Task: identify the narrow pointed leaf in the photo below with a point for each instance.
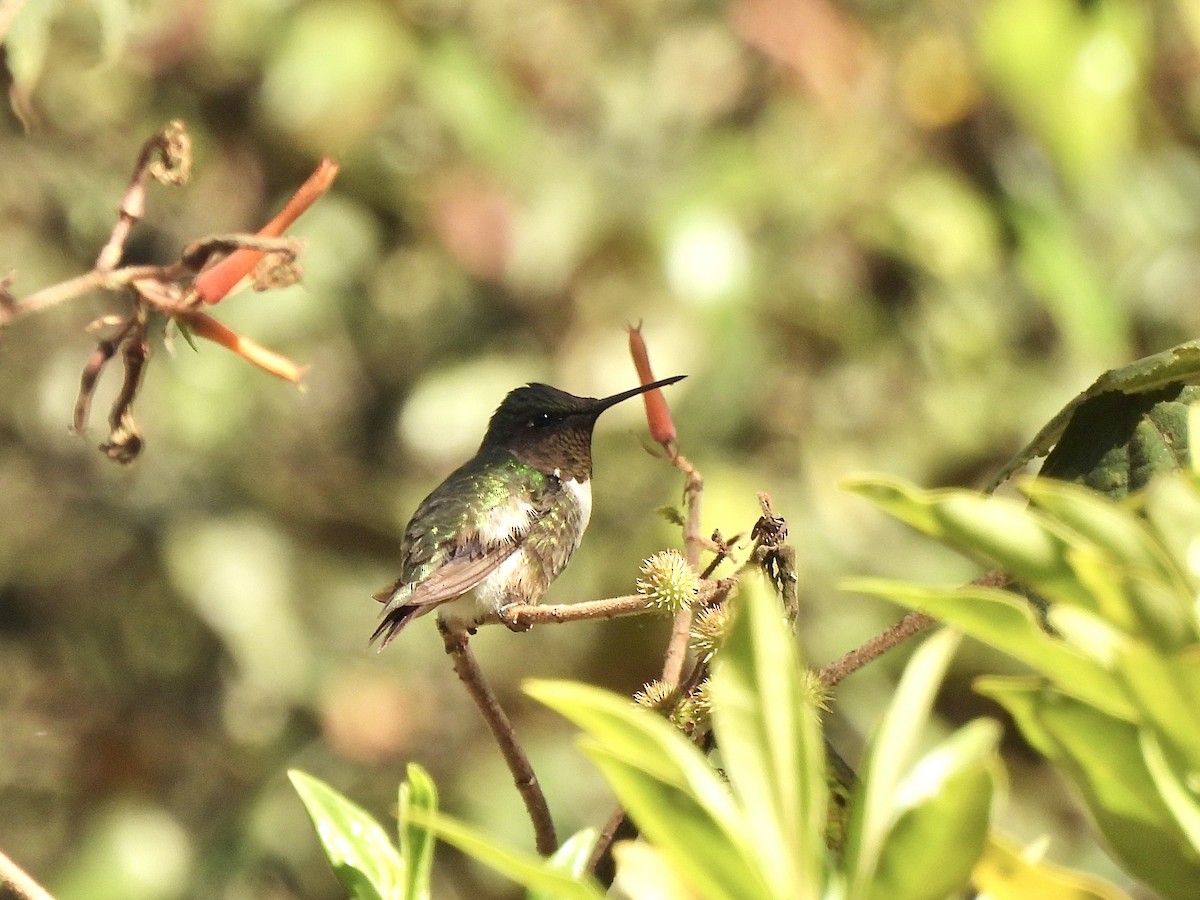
(1103, 757)
(362, 856)
(1115, 528)
(571, 858)
(533, 872)
(1004, 621)
(641, 738)
(416, 840)
(996, 531)
(890, 752)
(715, 860)
(938, 839)
(670, 790)
(1178, 797)
(771, 744)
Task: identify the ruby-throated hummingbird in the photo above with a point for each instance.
(503, 525)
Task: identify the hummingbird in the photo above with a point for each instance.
(503, 525)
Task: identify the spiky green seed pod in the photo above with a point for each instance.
(708, 629)
(688, 717)
(668, 582)
(655, 695)
(815, 690)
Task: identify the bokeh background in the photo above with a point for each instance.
(878, 236)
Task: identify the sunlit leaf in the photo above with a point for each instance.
(892, 748)
(571, 858)
(362, 856)
(940, 834)
(1004, 621)
(771, 744)
(417, 842)
(1122, 535)
(1164, 687)
(644, 874)
(996, 531)
(670, 790)
(1103, 758)
(538, 875)
(1173, 787)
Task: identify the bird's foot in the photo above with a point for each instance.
(510, 615)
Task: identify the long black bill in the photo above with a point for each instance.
(601, 405)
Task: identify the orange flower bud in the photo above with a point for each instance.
(658, 416)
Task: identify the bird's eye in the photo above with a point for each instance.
(542, 419)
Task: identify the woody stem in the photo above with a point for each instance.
(457, 643)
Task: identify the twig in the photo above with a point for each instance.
(523, 617)
(80, 285)
(912, 624)
(693, 544)
(457, 643)
(619, 827)
(18, 883)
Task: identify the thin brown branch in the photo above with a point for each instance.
(166, 156)
(602, 864)
(457, 643)
(912, 624)
(80, 285)
(693, 544)
(125, 438)
(18, 883)
(523, 617)
(105, 350)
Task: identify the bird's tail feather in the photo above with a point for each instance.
(393, 621)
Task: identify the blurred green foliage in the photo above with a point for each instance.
(891, 236)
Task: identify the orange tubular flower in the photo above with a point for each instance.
(658, 416)
(205, 326)
(214, 283)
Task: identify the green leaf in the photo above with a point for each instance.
(571, 858)
(716, 860)
(672, 514)
(771, 744)
(1172, 508)
(873, 808)
(678, 801)
(1114, 528)
(1103, 757)
(416, 840)
(994, 530)
(1180, 364)
(644, 874)
(358, 848)
(538, 875)
(1005, 622)
(1172, 787)
(1116, 442)
(1164, 687)
(937, 840)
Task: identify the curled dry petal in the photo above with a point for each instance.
(658, 416)
(215, 282)
(207, 327)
